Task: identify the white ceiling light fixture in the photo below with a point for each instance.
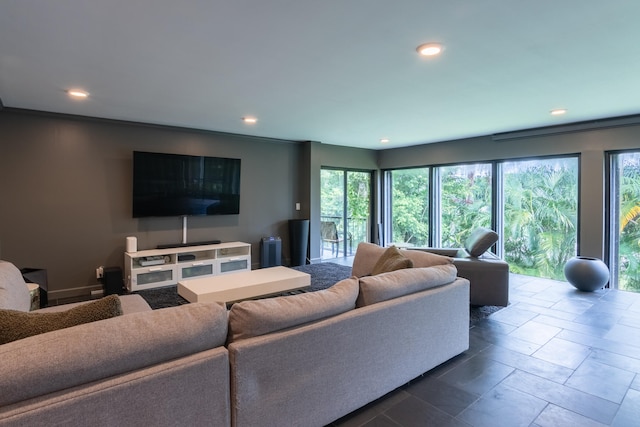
(384, 140)
(430, 49)
(78, 94)
(250, 120)
(558, 111)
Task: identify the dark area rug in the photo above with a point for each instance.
(323, 275)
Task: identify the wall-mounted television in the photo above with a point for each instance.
(181, 185)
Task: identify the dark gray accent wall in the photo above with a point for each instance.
(65, 185)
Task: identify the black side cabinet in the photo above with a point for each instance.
(39, 276)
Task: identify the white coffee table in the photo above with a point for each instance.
(252, 284)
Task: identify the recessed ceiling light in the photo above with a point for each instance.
(558, 111)
(429, 49)
(385, 141)
(249, 120)
(77, 93)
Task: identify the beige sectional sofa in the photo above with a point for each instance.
(299, 360)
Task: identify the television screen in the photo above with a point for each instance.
(179, 185)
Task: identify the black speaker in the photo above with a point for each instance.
(112, 281)
(270, 251)
(298, 241)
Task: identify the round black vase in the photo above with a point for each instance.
(298, 239)
(586, 274)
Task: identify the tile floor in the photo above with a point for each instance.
(553, 357)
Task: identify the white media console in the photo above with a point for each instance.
(162, 267)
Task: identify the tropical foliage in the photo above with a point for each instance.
(540, 210)
(410, 206)
(540, 216)
(629, 208)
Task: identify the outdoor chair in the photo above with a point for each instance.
(329, 233)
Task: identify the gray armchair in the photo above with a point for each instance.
(488, 274)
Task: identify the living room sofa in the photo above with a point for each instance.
(161, 367)
(298, 360)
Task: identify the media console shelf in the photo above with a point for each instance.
(162, 267)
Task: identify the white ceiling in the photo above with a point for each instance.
(340, 72)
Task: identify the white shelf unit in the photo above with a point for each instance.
(183, 263)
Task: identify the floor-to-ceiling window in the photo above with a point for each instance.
(464, 202)
(345, 206)
(540, 215)
(408, 207)
(624, 220)
(532, 204)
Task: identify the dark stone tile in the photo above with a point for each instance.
(496, 333)
(601, 380)
(442, 395)
(625, 334)
(547, 311)
(601, 343)
(513, 316)
(529, 364)
(381, 421)
(612, 359)
(633, 321)
(503, 406)
(555, 416)
(636, 383)
(629, 413)
(572, 306)
(585, 404)
(537, 333)
(415, 412)
(594, 328)
(372, 410)
(563, 353)
(598, 319)
(477, 375)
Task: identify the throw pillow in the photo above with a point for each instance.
(391, 260)
(259, 317)
(16, 325)
(479, 241)
(395, 284)
(368, 253)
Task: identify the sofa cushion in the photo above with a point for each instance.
(397, 283)
(16, 325)
(14, 293)
(368, 254)
(391, 260)
(259, 317)
(480, 240)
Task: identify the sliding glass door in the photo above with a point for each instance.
(345, 206)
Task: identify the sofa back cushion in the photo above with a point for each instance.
(480, 240)
(97, 350)
(259, 317)
(397, 283)
(14, 293)
(367, 256)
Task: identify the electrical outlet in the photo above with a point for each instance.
(99, 272)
